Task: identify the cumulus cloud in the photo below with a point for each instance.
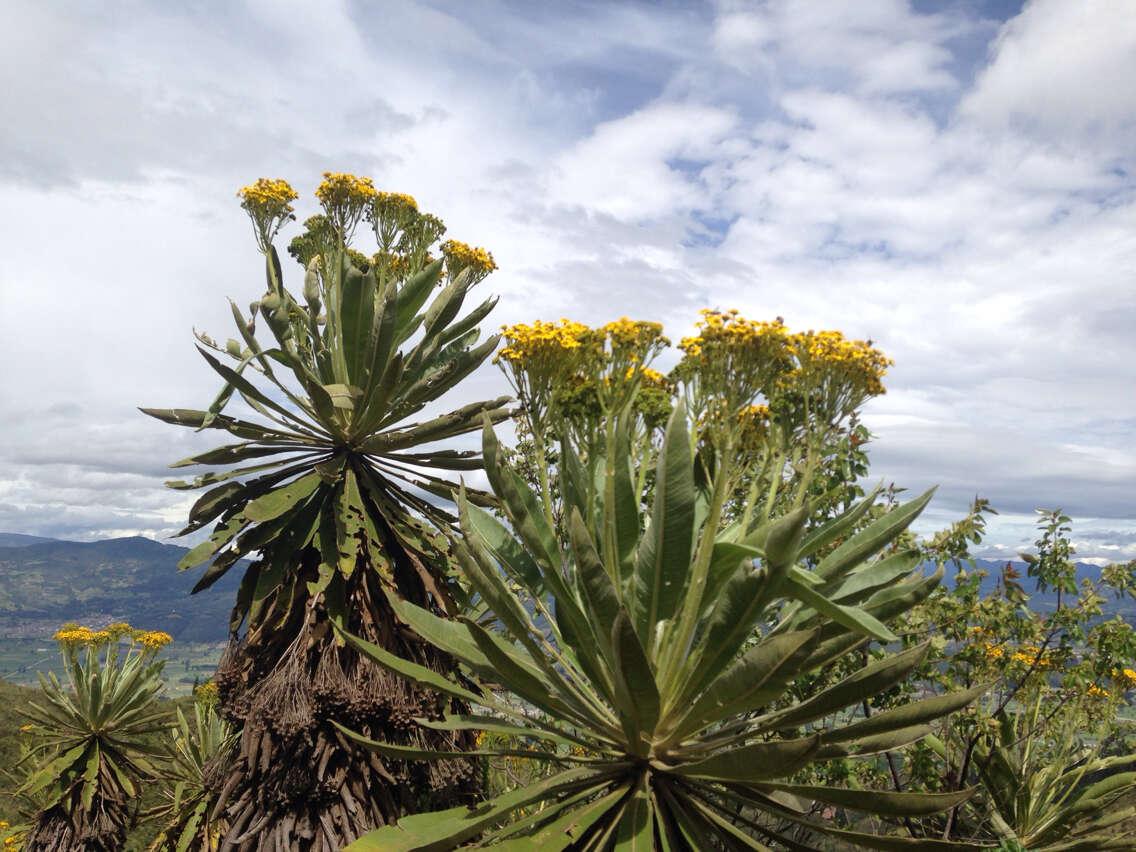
(932, 180)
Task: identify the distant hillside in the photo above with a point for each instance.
(20, 540)
(1047, 602)
(46, 583)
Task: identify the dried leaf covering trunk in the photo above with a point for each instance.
(298, 783)
(102, 829)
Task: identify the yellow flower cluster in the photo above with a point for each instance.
(153, 639)
(828, 355)
(541, 359)
(634, 335)
(651, 379)
(394, 201)
(73, 636)
(207, 693)
(345, 198)
(1096, 693)
(12, 841)
(341, 188)
(541, 341)
(734, 361)
(1029, 654)
(992, 651)
(460, 256)
(269, 204)
(269, 194)
(727, 330)
(1126, 678)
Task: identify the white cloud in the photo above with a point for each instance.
(804, 159)
(1063, 68)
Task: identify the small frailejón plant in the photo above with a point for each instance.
(325, 490)
(93, 738)
(206, 747)
(652, 652)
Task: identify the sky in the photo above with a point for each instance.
(954, 180)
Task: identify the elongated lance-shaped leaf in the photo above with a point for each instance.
(663, 560)
(849, 617)
(835, 529)
(754, 762)
(747, 684)
(621, 504)
(443, 831)
(565, 830)
(357, 320)
(880, 802)
(872, 538)
(597, 591)
(859, 584)
(914, 713)
(873, 679)
(249, 391)
(637, 695)
(520, 503)
(487, 532)
(412, 296)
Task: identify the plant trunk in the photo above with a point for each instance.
(102, 829)
(298, 783)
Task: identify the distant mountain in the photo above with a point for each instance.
(20, 540)
(1047, 601)
(46, 583)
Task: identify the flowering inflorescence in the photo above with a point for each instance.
(13, 840)
(1125, 678)
(73, 636)
(345, 199)
(828, 359)
(269, 204)
(207, 693)
(460, 257)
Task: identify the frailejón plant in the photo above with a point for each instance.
(651, 655)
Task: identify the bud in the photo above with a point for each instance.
(311, 284)
(784, 539)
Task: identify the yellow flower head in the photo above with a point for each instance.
(1096, 693)
(541, 357)
(269, 204)
(734, 361)
(849, 370)
(152, 640)
(207, 693)
(460, 257)
(345, 198)
(73, 636)
(1125, 678)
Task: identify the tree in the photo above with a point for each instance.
(329, 491)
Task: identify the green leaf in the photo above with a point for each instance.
(879, 802)
(275, 503)
(443, 831)
(520, 503)
(635, 688)
(636, 831)
(754, 762)
(852, 618)
(663, 561)
(766, 667)
(872, 538)
(829, 532)
(906, 715)
(871, 680)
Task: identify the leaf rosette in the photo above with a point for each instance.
(651, 657)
